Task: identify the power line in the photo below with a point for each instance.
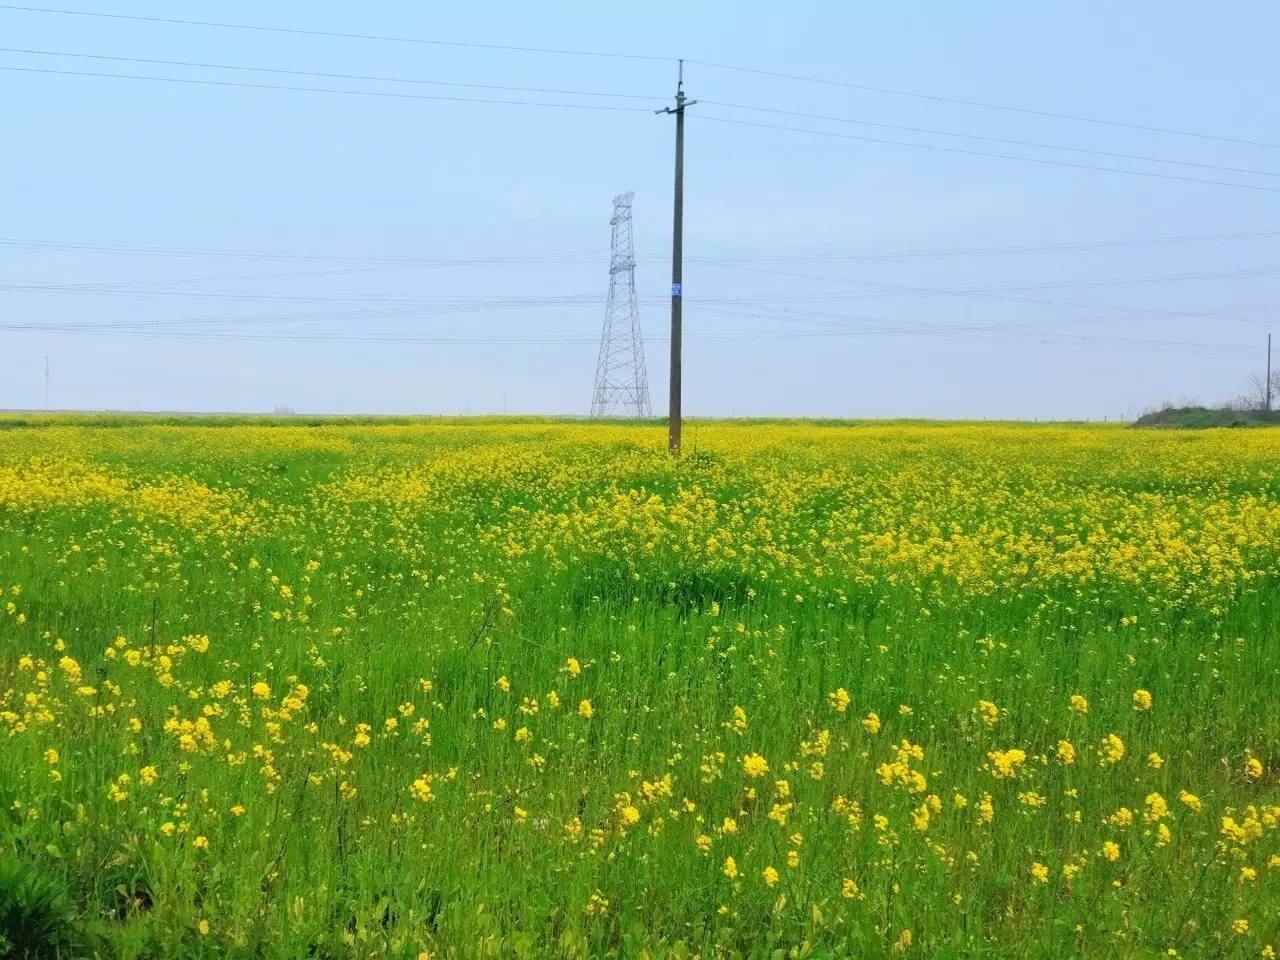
(86, 247)
(249, 295)
(272, 318)
(591, 93)
(998, 156)
(984, 104)
(575, 339)
(322, 74)
(1225, 313)
(775, 74)
(591, 106)
(297, 31)
(122, 285)
(287, 275)
(1054, 285)
(583, 257)
(721, 306)
(828, 322)
(1003, 294)
(532, 301)
(1080, 246)
(329, 90)
(987, 139)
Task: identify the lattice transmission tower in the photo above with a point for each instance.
(622, 387)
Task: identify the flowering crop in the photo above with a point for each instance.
(532, 688)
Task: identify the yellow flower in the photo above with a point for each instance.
(1111, 749)
(261, 691)
(730, 868)
(871, 723)
(1111, 851)
(1040, 872)
(203, 927)
(1253, 769)
(849, 889)
(596, 905)
(1141, 700)
(504, 684)
(420, 789)
(1154, 760)
(839, 700)
(986, 809)
(1157, 808)
(585, 710)
(754, 765)
(1241, 926)
(920, 818)
(1006, 763)
(769, 875)
(1190, 800)
(1121, 818)
(200, 843)
(1078, 704)
(573, 667)
(1066, 752)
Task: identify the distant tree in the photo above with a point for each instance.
(1255, 397)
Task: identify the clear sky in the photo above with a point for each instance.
(793, 303)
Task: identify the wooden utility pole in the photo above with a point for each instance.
(677, 256)
(1268, 383)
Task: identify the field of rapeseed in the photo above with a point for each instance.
(533, 689)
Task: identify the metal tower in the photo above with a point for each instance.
(621, 385)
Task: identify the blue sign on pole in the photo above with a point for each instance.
(675, 289)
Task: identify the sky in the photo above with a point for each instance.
(176, 246)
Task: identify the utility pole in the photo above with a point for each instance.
(46, 379)
(677, 255)
(1268, 387)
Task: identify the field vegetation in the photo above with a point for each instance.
(535, 689)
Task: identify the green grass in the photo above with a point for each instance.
(452, 584)
(1203, 417)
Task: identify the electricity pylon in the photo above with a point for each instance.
(622, 387)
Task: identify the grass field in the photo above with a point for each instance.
(533, 689)
(1204, 417)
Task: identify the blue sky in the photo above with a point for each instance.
(788, 328)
